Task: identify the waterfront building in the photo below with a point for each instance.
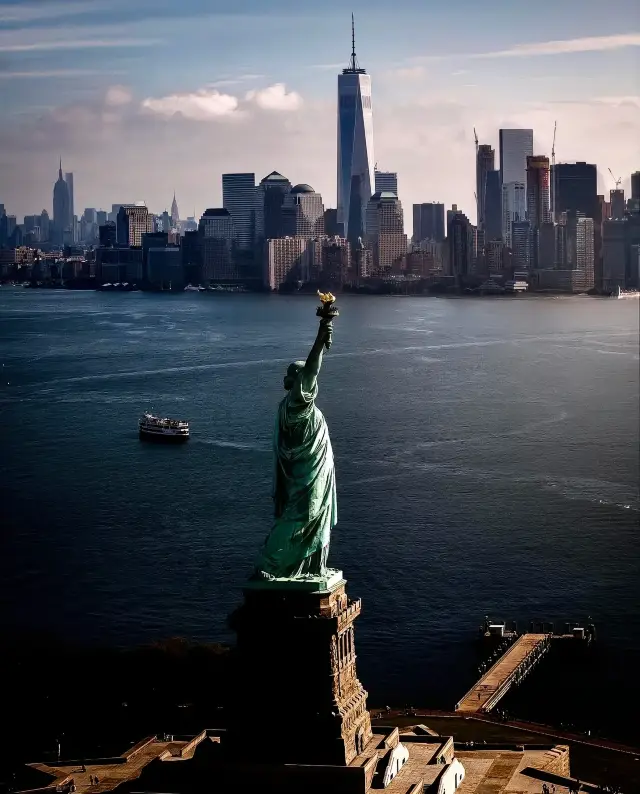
(616, 199)
(270, 194)
(164, 267)
(107, 234)
(585, 250)
(614, 254)
(460, 239)
(216, 237)
(428, 222)
(494, 254)
(620, 239)
(514, 205)
(386, 181)
(330, 262)
(303, 212)
(239, 198)
(546, 246)
(61, 208)
(191, 249)
(133, 220)
(485, 162)
(355, 147)
(286, 261)
(385, 233)
(521, 245)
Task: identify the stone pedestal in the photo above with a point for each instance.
(297, 674)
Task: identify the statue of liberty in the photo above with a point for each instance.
(304, 489)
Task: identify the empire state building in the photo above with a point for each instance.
(355, 146)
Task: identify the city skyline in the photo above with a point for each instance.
(111, 125)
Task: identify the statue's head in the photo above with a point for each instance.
(293, 370)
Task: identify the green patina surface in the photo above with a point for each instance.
(304, 491)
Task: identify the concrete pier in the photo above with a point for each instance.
(510, 668)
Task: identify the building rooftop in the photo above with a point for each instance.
(215, 212)
(384, 195)
(302, 188)
(274, 176)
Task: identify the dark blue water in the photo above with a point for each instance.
(487, 462)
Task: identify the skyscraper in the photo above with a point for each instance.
(514, 207)
(238, 196)
(460, 239)
(485, 162)
(61, 208)
(428, 222)
(515, 146)
(270, 193)
(68, 178)
(355, 146)
(576, 188)
(175, 215)
(538, 212)
(286, 260)
(387, 181)
(304, 212)
(616, 199)
(635, 185)
(385, 232)
(132, 222)
(537, 190)
(216, 236)
(492, 207)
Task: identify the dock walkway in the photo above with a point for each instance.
(510, 667)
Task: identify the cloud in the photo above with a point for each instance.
(275, 97)
(29, 12)
(200, 105)
(78, 44)
(53, 73)
(566, 46)
(117, 96)
(328, 66)
(538, 48)
(408, 73)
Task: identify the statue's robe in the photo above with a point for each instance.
(304, 487)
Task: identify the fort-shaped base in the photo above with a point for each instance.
(296, 669)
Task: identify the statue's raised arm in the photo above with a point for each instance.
(304, 490)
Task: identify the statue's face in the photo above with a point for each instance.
(293, 371)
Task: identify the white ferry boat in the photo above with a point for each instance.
(155, 428)
(622, 293)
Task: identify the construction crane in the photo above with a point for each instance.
(617, 181)
(553, 173)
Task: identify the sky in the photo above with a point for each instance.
(147, 97)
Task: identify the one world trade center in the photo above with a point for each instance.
(355, 146)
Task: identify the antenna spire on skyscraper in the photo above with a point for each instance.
(354, 61)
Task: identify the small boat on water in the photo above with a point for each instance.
(156, 428)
